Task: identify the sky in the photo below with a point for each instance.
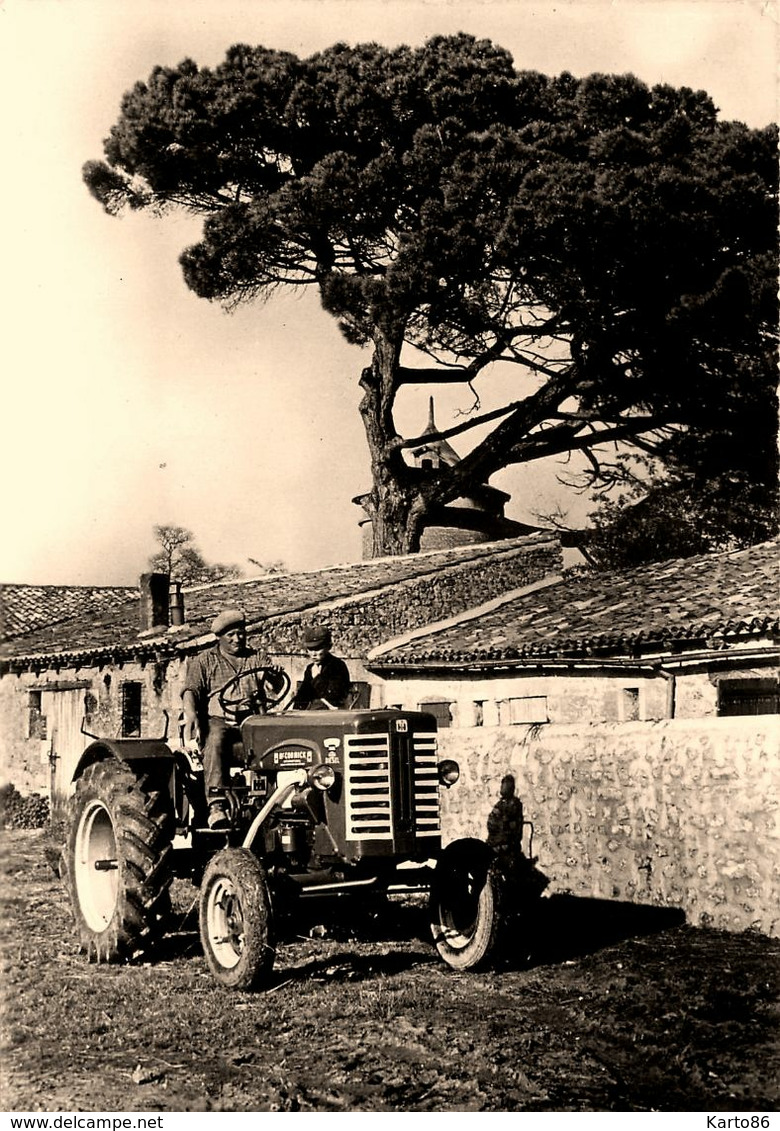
(129, 402)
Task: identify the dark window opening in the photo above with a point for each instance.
(630, 704)
(440, 709)
(359, 697)
(36, 727)
(131, 710)
(749, 697)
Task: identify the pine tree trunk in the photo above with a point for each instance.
(395, 504)
(396, 529)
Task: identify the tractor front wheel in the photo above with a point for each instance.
(465, 905)
(236, 921)
(116, 861)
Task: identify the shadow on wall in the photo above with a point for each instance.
(548, 931)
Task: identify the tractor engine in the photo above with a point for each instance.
(373, 787)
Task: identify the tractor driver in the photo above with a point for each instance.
(208, 725)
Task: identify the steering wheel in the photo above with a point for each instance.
(232, 702)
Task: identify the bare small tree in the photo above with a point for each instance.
(179, 557)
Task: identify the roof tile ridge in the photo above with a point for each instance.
(470, 553)
(475, 549)
(342, 599)
(377, 588)
(71, 588)
(706, 557)
(435, 627)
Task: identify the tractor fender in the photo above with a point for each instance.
(127, 750)
(470, 850)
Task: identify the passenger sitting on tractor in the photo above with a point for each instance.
(211, 720)
(326, 683)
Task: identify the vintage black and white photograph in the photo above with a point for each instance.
(389, 608)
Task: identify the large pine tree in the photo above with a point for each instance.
(614, 244)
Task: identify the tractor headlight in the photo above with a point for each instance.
(449, 772)
(322, 777)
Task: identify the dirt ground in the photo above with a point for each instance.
(598, 1007)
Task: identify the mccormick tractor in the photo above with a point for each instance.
(321, 803)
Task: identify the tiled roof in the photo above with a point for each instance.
(116, 630)
(24, 608)
(684, 603)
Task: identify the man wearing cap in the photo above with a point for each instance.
(210, 727)
(326, 681)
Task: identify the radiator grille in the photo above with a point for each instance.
(426, 786)
(367, 787)
(368, 790)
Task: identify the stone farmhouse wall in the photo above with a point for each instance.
(560, 697)
(39, 755)
(607, 692)
(92, 693)
(679, 813)
(406, 605)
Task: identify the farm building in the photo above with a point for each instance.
(637, 713)
(691, 638)
(116, 669)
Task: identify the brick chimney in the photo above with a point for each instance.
(154, 600)
(176, 604)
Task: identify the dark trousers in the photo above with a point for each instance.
(217, 754)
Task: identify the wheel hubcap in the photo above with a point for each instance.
(96, 866)
(225, 923)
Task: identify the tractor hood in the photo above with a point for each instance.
(308, 738)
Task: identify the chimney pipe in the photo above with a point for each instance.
(176, 604)
(154, 600)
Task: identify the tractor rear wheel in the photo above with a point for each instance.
(116, 861)
(465, 905)
(236, 920)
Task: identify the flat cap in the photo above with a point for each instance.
(228, 618)
(316, 637)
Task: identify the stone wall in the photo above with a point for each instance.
(681, 812)
(447, 537)
(563, 696)
(72, 699)
(414, 603)
(358, 623)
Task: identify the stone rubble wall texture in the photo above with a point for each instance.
(675, 813)
(412, 604)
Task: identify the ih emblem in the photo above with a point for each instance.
(331, 745)
(401, 725)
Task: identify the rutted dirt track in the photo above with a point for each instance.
(620, 1009)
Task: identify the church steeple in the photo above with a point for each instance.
(434, 452)
(477, 516)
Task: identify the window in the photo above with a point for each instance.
(440, 709)
(629, 705)
(749, 697)
(479, 712)
(131, 710)
(359, 698)
(525, 709)
(36, 725)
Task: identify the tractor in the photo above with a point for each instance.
(321, 803)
